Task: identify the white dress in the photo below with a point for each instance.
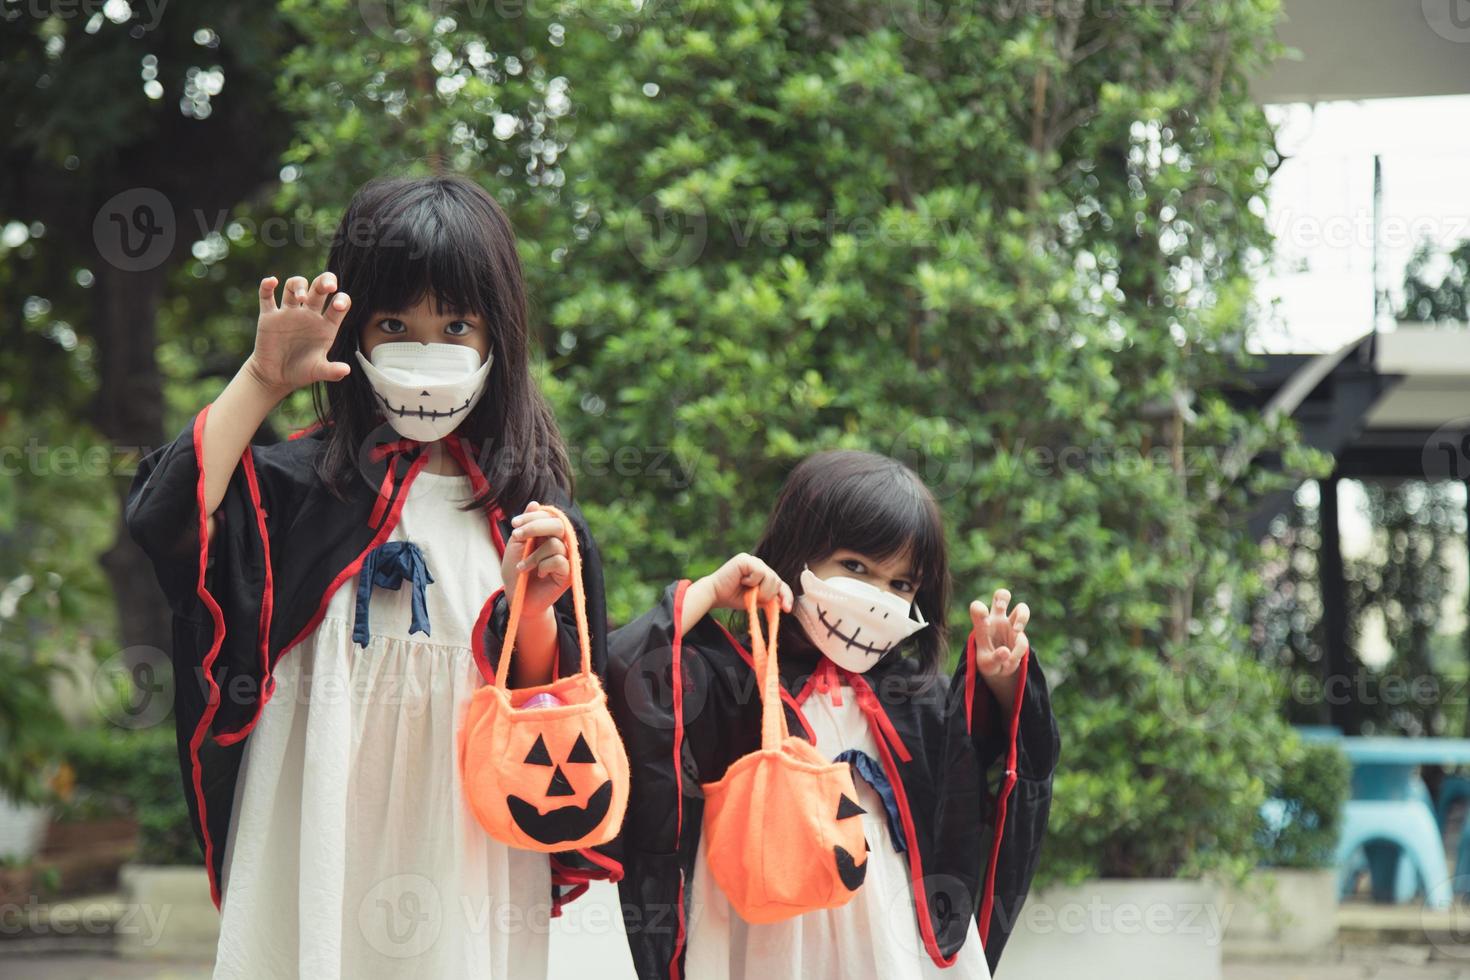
(352, 853)
(875, 936)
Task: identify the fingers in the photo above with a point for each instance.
(268, 294)
(295, 292)
(337, 308)
(999, 661)
(548, 559)
(328, 370)
(538, 527)
(320, 295)
(765, 582)
(998, 605)
(533, 524)
(980, 616)
(755, 573)
(322, 287)
(1020, 616)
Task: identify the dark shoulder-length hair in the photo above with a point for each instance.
(445, 237)
(871, 504)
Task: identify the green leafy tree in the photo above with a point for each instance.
(1011, 245)
(129, 130)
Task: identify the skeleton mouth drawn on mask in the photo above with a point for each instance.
(421, 412)
(853, 622)
(852, 641)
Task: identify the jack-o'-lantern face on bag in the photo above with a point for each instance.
(545, 778)
(563, 797)
(849, 872)
(783, 828)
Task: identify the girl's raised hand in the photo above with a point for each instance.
(1000, 640)
(292, 339)
(729, 582)
(551, 573)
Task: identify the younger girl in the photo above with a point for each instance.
(339, 597)
(859, 539)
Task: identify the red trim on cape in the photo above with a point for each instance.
(677, 674)
(828, 678)
(680, 937)
(612, 870)
(477, 637)
(218, 616)
(916, 862)
(969, 683)
(385, 492)
(678, 684)
(305, 430)
(988, 895)
(268, 594)
(268, 684)
(786, 697)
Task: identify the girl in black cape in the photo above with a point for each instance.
(953, 775)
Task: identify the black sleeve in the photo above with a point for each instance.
(686, 707)
(217, 588)
(1038, 741)
(1016, 821)
(220, 592)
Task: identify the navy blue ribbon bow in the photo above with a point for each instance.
(872, 773)
(388, 566)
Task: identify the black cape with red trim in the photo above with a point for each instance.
(282, 545)
(688, 708)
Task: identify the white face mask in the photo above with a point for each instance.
(425, 390)
(853, 622)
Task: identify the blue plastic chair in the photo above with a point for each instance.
(1387, 831)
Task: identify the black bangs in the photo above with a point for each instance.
(871, 504)
(885, 512)
(427, 239)
(403, 240)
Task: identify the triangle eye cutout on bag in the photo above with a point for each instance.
(545, 778)
(782, 833)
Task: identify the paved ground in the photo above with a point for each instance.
(1374, 963)
(1367, 963)
(1379, 944)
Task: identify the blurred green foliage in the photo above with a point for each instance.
(1316, 778)
(134, 772)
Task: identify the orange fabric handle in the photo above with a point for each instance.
(773, 715)
(579, 601)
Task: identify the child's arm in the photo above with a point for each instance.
(536, 640)
(291, 343)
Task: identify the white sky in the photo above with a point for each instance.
(1321, 209)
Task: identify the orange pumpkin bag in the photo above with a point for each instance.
(545, 778)
(781, 828)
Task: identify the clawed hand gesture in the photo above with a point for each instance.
(1000, 639)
